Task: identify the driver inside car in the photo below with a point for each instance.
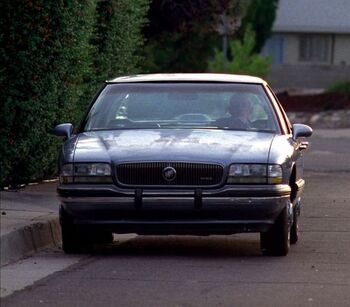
(240, 108)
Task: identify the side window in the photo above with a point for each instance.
(282, 116)
(262, 114)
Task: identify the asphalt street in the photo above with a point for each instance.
(215, 270)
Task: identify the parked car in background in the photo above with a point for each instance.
(184, 154)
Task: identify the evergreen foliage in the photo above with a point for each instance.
(53, 56)
(118, 37)
(244, 61)
(182, 35)
(179, 52)
(341, 87)
(45, 55)
(260, 16)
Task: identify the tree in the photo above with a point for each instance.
(244, 61)
(182, 35)
(260, 16)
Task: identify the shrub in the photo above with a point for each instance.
(54, 55)
(341, 87)
(244, 61)
(45, 56)
(118, 38)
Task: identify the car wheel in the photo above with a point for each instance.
(276, 241)
(102, 237)
(294, 230)
(73, 240)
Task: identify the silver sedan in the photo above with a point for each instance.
(195, 154)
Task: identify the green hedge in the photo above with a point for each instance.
(48, 71)
(118, 36)
(341, 87)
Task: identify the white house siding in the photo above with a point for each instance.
(339, 49)
(291, 50)
(291, 72)
(342, 50)
(322, 57)
(306, 76)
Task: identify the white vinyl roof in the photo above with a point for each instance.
(188, 78)
(315, 16)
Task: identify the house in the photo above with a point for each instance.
(310, 45)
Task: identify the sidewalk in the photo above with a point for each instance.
(28, 221)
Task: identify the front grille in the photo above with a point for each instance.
(151, 174)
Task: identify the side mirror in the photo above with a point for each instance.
(300, 130)
(63, 130)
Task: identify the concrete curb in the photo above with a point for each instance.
(25, 241)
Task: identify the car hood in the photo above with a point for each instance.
(201, 145)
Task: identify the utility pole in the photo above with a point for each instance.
(225, 31)
(227, 26)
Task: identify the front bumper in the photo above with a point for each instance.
(230, 209)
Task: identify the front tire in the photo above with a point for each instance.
(104, 237)
(294, 230)
(276, 241)
(73, 240)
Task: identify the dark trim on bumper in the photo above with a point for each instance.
(79, 190)
(217, 215)
(231, 209)
(177, 227)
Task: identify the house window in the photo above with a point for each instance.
(315, 48)
(274, 49)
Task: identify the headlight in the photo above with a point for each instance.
(255, 174)
(247, 173)
(95, 169)
(274, 174)
(86, 173)
(66, 175)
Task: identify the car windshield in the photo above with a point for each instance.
(229, 106)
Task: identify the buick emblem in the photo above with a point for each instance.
(169, 173)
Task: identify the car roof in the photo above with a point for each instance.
(188, 78)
